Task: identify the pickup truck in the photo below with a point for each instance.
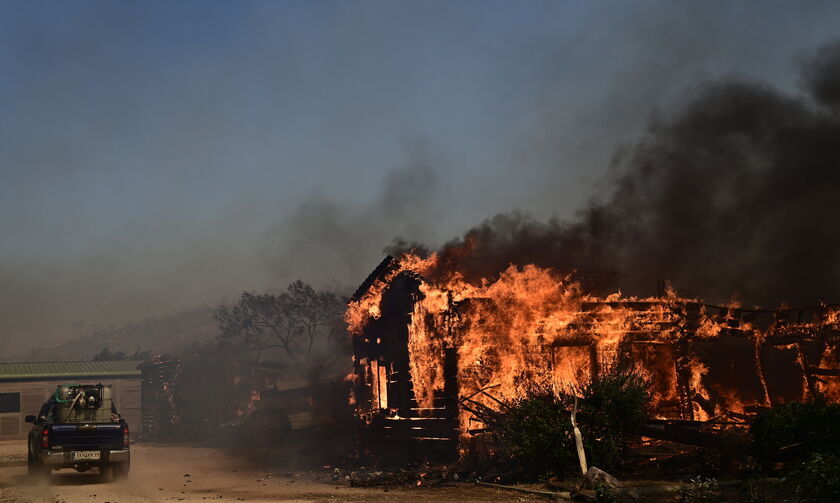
(79, 427)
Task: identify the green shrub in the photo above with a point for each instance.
(812, 427)
(536, 430)
(818, 479)
(699, 490)
(612, 406)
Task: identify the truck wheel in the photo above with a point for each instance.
(121, 469)
(36, 469)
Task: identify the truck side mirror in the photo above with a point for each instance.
(29, 419)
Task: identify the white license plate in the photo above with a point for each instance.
(84, 455)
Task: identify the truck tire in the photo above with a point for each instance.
(121, 469)
(34, 468)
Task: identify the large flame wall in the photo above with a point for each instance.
(532, 326)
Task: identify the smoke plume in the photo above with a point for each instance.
(737, 193)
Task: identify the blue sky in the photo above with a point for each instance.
(156, 155)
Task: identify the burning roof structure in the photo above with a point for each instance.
(424, 344)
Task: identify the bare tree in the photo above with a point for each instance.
(303, 323)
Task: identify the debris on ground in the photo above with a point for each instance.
(596, 477)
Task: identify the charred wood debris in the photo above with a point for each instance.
(246, 403)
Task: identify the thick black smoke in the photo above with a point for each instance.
(737, 194)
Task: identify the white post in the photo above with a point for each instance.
(579, 441)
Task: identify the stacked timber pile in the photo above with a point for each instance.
(157, 396)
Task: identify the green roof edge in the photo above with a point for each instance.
(130, 368)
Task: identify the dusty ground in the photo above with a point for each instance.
(177, 473)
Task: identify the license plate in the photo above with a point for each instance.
(84, 455)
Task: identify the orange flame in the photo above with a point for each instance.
(534, 326)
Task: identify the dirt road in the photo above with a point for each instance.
(192, 474)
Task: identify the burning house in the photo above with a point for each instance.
(426, 348)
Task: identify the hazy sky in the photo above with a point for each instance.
(157, 155)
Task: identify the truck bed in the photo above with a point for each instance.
(69, 437)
